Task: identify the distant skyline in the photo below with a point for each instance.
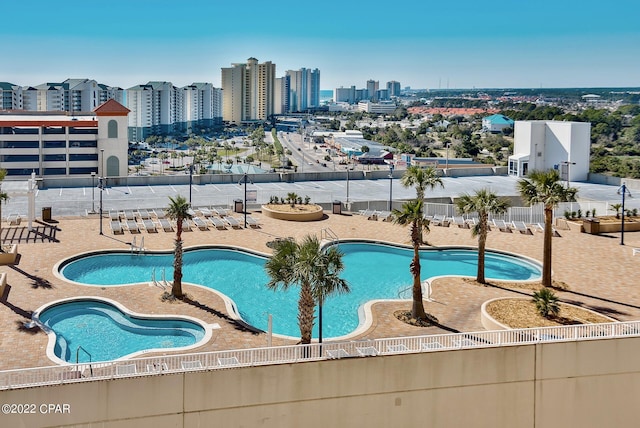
(422, 44)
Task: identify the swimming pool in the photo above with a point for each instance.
(373, 270)
(88, 329)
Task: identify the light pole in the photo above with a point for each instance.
(244, 179)
(347, 204)
(190, 182)
(568, 164)
(93, 192)
(446, 165)
(101, 184)
(623, 191)
(390, 185)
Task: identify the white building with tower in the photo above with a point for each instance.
(543, 145)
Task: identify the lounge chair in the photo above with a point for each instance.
(234, 223)
(200, 223)
(14, 219)
(229, 361)
(367, 351)
(385, 215)
(501, 225)
(521, 227)
(217, 223)
(471, 221)
(116, 227)
(114, 215)
(149, 226)
(253, 222)
(337, 353)
(126, 369)
(222, 212)
(540, 227)
(206, 212)
(460, 222)
(132, 226)
(129, 215)
(165, 224)
(464, 343)
(186, 225)
(439, 220)
(157, 367)
(159, 213)
(397, 348)
(428, 346)
(144, 214)
(636, 251)
(191, 365)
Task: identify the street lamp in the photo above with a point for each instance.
(568, 164)
(101, 184)
(244, 180)
(623, 191)
(390, 185)
(348, 186)
(93, 192)
(190, 182)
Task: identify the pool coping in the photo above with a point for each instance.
(51, 334)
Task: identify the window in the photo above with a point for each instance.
(83, 157)
(55, 158)
(21, 158)
(19, 144)
(55, 171)
(22, 171)
(55, 144)
(82, 170)
(93, 143)
(112, 129)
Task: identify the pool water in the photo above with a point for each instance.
(106, 333)
(373, 271)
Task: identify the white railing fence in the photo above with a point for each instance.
(24, 378)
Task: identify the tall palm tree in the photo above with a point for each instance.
(411, 215)
(421, 178)
(545, 187)
(3, 197)
(483, 202)
(316, 272)
(178, 210)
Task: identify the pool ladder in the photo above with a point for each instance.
(163, 282)
(426, 291)
(135, 248)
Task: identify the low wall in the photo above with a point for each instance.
(590, 383)
(10, 256)
(317, 214)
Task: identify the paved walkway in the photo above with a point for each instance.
(600, 272)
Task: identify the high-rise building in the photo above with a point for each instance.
(304, 92)
(372, 88)
(281, 94)
(394, 88)
(71, 95)
(248, 91)
(161, 108)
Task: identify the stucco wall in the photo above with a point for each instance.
(586, 384)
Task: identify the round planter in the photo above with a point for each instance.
(310, 212)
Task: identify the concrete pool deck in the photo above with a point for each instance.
(601, 274)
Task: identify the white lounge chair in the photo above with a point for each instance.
(129, 215)
(397, 348)
(228, 361)
(521, 227)
(439, 220)
(159, 213)
(114, 215)
(554, 231)
(337, 353)
(384, 215)
(253, 222)
(191, 365)
(206, 212)
(14, 219)
(428, 346)
(217, 223)
(132, 226)
(200, 223)
(157, 367)
(186, 225)
(231, 221)
(149, 226)
(636, 251)
(367, 351)
(165, 224)
(222, 212)
(126, 369)
(144, 214)
(501, 225)
(460, 222)
(116, 227)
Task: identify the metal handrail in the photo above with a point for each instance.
(22, 378)
(86, 352)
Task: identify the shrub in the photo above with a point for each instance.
(573, 214)
(546, 302)
(593, 212)
(579, 213)
(307, 199)
(567, 215)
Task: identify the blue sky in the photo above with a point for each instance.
(420, 43)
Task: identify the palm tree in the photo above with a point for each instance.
(483, 202)
(178, 210)
(411, 215)
(545, 187)
(3, 197)
(421, 178)
(546, 302)
(316, 272)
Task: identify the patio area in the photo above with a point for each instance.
(600, 273)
